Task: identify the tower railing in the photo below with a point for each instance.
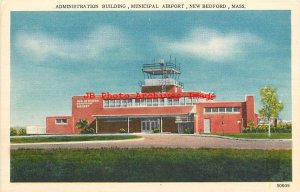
(162, 66)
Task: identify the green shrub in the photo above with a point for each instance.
(156, 130)
(83, 124)
(250, 124)
(281, 128)
(22, 132)
(188, 131)
(272, 129)
(122, 130)
(88, 131)
(285, 127)
(13, 132)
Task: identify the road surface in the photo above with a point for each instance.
(166, 141)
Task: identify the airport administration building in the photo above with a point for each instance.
(162, 104)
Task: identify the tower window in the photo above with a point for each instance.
(149, 102)
(155, 102)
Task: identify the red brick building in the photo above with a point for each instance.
(162, 104)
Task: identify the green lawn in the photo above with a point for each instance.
(259, 135)
(71, 138)
(150, 165)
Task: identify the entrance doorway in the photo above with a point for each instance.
(206, 125)
(148, 125)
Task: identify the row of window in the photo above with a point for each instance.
(61, 121)
(222, 109)
(150, 102)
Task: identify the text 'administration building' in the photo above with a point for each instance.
(162, 104)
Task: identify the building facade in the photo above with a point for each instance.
(161, 105)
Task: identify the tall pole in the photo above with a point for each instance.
(269, 131)
(96, 125)
(127, 124)
(161, 124)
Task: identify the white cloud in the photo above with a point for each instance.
(211, 45)
(103, 41)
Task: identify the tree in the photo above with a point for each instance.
(271, 106)
(82, 124)
(13, 132)
(22, 132)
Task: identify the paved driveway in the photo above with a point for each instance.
(169, 141)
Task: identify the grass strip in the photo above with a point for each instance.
(258, 135)
(71, 138)
(150, 165)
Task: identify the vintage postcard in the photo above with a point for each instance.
(150, 96)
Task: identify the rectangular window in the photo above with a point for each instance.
(129, 102)
(106, 103)
(214, 110)
(61, 121)
(153, 125)
(221, 109)
(181, 101)
(169, 101)
(207, 110)
(143, 102)
(149, 102)
(228, 109)
(111, 103)
(188, 101)
(137, 102)
(195, 100)
(236, 109)
(175, 101)
(124, 103)
(117, 103)
(161, 101)
(155, 102)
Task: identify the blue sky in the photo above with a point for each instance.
(56, 55)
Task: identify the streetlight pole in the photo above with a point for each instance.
(269, 129)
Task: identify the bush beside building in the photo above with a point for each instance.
(280, 128)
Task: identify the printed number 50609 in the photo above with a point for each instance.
(282, 185)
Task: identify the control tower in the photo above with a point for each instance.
(161, 76)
